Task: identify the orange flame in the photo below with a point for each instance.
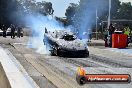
(81, 71)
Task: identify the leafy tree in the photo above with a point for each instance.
(13, 11)
(125, 11)
(32, 7)
(48, 8)
(87, 8)
(71, 11)
(6, 9)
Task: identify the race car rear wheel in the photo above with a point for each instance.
(55, 51)
(52, 53)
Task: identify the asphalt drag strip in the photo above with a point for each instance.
(63, 70)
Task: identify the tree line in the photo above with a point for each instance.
(13, 11)
(121, 13)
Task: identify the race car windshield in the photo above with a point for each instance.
(69, 37)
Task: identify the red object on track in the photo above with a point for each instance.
(119, 40)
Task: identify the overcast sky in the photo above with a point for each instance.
(60, 6)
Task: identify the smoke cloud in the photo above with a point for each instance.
(38, 23)
(84, 20)
(86, 16)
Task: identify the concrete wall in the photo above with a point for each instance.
(4, 82)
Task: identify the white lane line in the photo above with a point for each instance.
(123, 51)
(16, 74)
(25, 44)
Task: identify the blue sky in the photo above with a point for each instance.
(60, 6)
